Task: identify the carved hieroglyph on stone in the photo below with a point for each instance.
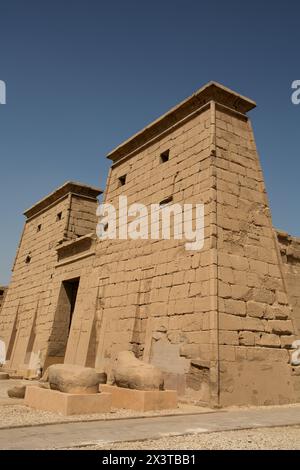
(70, 378)
(130, 372)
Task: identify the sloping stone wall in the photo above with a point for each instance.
(290, 254)
(255, 327)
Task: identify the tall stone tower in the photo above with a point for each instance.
(216, 321)
(28, 325)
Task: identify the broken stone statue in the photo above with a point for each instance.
(18, 391)
(130, 372)
(70, 378)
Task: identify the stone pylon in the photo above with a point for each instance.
(217, 321)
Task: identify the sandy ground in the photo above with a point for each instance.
(20, 415)
(281, 438)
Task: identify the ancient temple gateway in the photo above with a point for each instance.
(219, 322)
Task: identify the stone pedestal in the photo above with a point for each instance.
(67, 403)
(140, 400)
(4, 376)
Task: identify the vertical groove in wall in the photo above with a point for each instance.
(67, 226)
(101, 289)
(215, 375)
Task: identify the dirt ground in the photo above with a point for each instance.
(13, 413)
(281, 438)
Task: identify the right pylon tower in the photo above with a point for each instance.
(254, 328)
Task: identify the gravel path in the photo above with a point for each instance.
(20, 415)
(283, 438)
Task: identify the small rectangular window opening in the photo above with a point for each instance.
(166, 202)
(122, 180)
(164, 156)
(39, 227)
(59, 216)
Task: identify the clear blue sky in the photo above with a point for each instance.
(83, 75)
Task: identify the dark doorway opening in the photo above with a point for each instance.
(62, 321)
(71, 290)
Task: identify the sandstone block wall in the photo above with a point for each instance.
(217, 322)
(255, 327)
(26, 320)
(75, 261)
(157, 298)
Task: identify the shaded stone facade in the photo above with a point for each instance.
(29, 327)
(219, 322)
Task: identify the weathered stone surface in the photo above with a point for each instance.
(286, 341)
(102, 376)
(67, 403)
(247, 338)
(18, 391)
(4, 376)
(141, 400)
(71, 378)
(129, 372)
(269, 340)
(281, 327)
(255, 309)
